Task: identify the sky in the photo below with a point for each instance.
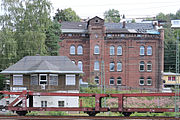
(131, 8)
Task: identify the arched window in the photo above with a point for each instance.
(149, 66)
(149, 81)
(96, 80)
(111, 50)
(111, 81)
(141, 66)
(73, 61)
(80, 65)
(80, 50)
(119, 66)
(119, 81)
(141, 81)
(96, 49)
(96, 65)
(141, 50)
(119, 50)
(72, 50)
(149, 50)
(111, 66)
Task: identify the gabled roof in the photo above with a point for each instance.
(43, 64)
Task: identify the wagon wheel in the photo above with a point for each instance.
(21, 113)
(127, 114)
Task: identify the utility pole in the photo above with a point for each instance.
(177, 78)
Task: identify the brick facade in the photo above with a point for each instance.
(96, 32)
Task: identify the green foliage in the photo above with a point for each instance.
(112, 15)
(170, 41)
(66, 15)
(57, 113)
(52, 38)
(33, 113)
(2, 78)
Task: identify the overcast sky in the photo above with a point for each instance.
(131, 8)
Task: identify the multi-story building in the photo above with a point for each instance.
(121, 54)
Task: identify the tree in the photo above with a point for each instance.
(52, 38)
(112, 15)
(29, 21)
(66, 15)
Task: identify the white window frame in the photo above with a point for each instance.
(142, 50)
(73, 62)
(119, 78)
(119, 50)
(56, 75)
(96, 65)
(142, 78)
(80, 65)
(149, 64)
(19, 81)
(140, 66)
(96, 49)
(43, 80)
(149, 50)
(111, 64)
(63, 103)
(119, 64)
(80, 50)
(73, 82)
(96, 79)
(111, 80)
(43, 103)
(149, 79)
(72, 50)
(112, 50)
(37, 79)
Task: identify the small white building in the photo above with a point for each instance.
(46, 74)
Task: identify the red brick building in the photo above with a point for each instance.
(121, 54)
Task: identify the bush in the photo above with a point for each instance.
(57, 113)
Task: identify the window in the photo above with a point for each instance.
(96, 80)
(61, 103)
(96, 49)
(111, 50)
(80, 50)
(119, 81)
(96, 65)
(34, 79)
(119, 66)
(141, 66)
(141, 50)
(149, 66)
(43, 79)
(112, 66)
(73, 61)
(141, 81)
(70, 79)
(17, 79)
(171, 78)
(43, 103)
(72, 50)
(80, 65)
(111, 81)
(53, 79)
(149, 81)
(149, 50)
(119, 50)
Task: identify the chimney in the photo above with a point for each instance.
(124, 24)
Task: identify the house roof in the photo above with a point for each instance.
(81, 27)
(43, 64)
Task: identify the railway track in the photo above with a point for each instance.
(14, 117)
